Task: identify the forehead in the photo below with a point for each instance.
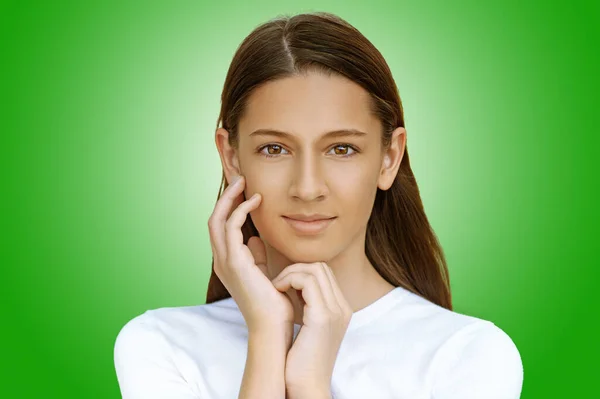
(308, 105)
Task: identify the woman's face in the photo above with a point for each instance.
(306, 171)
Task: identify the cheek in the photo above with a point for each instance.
(355, 191)
(356, 201)
(268, 210)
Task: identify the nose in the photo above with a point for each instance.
(309, 182)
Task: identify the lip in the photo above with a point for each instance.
(312, 227)
(308, 218)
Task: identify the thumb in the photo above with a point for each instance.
(259, 253)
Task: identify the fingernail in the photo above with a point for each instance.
(235, 179)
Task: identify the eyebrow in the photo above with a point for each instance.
(331, 134)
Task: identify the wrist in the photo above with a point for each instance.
(305, 392)
(269, 328)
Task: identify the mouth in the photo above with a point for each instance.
(309, 227)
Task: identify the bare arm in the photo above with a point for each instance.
(264, 374)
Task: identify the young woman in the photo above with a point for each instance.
(327, 279)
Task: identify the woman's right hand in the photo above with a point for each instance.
(242, 269)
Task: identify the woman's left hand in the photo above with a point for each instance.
(327, 314)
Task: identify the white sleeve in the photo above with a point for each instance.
(143, 364)
(479, 362)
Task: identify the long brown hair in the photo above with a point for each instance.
(400, 242)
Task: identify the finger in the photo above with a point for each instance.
(216, 222)
(332, 297)
(305, 282)
(235, 203)
(318, 271)
(233, 227)
(337, 292)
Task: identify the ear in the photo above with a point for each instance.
(392, 159)
(228, 154)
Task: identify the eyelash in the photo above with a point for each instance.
(334, 146)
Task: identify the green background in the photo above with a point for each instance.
(111, 171)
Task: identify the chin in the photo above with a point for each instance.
(307, 251)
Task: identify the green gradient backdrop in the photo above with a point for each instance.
(111, 172)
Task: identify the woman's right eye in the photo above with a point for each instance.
(269, 154)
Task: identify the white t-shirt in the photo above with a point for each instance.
(400, 346)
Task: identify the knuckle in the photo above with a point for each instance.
(212, 222)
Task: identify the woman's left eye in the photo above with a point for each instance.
(348, 146)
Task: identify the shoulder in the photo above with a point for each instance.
(430, 321)
(152, 350)
(142, 359)
(142, 340)
(155, 332)
(174, 323)
(478, 360)
(470, 357)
